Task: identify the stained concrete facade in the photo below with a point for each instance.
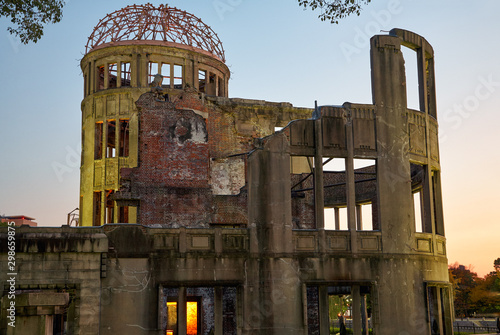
(251, 224)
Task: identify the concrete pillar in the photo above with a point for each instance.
(359, 219)
(351, 186)
(324, 318)
(337, 218)
(273, 295)
(356, 309)
(218, 324)
(393, 165)
(319, 198)
(182, 312)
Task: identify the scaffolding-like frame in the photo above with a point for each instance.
(150, 23)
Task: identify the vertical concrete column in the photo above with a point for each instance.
(106, 76)
(269, 195)
(141, 72)
(440, 309)
(356, 309)
(359, 219)
(395, 301)
(393, 165)
(182, 311)
(337, 218)
(92, 76)
(273, 293)
(324, 317)
(319, 197)
(364, 316)
(218, 311)
(351, 187)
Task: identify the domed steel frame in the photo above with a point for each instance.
(150, 23)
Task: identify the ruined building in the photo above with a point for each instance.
(203, 214)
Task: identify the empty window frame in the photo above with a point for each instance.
(202, 80)
(165, 72)
(220, 87)
(124, 138)
(212, 84)
(178, 82)
(97, 209)
(100, 78)
(123, 214)
(336, 218)
(112, 75)
(111, 139)
(125, 74)
(364, 217)
(335, 194)
(110, 207)
(98, 141)
(417, 210)
(153, 69)
(365, 179)
(411, 71)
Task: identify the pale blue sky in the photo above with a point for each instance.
(276, 51)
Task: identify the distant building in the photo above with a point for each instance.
(198, 216)
(20, 220)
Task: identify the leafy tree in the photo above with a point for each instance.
(464, 280)
(486, 295)
(30, 16)
(334, 10)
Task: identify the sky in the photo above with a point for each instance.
(276, 51)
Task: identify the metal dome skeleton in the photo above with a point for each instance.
(150, 23)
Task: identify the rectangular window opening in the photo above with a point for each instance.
(202, 80)
(365, 217)
(178, 76)
(123, 214)
(411, 70)
(110, 142)
(124, 138)
(220, 87)
(98, 141)
(165, 72)
(97, 209)
(152, 71)
(100, 77)
(365, 184)
(417, 210)
(125, 75)
(110, 206)
(112, 75)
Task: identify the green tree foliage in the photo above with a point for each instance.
(486, 295)
(334, 10)
(463, 280)
(30, 16)
(473, 294)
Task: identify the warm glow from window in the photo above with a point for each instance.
(171, 317)
(192, 318)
